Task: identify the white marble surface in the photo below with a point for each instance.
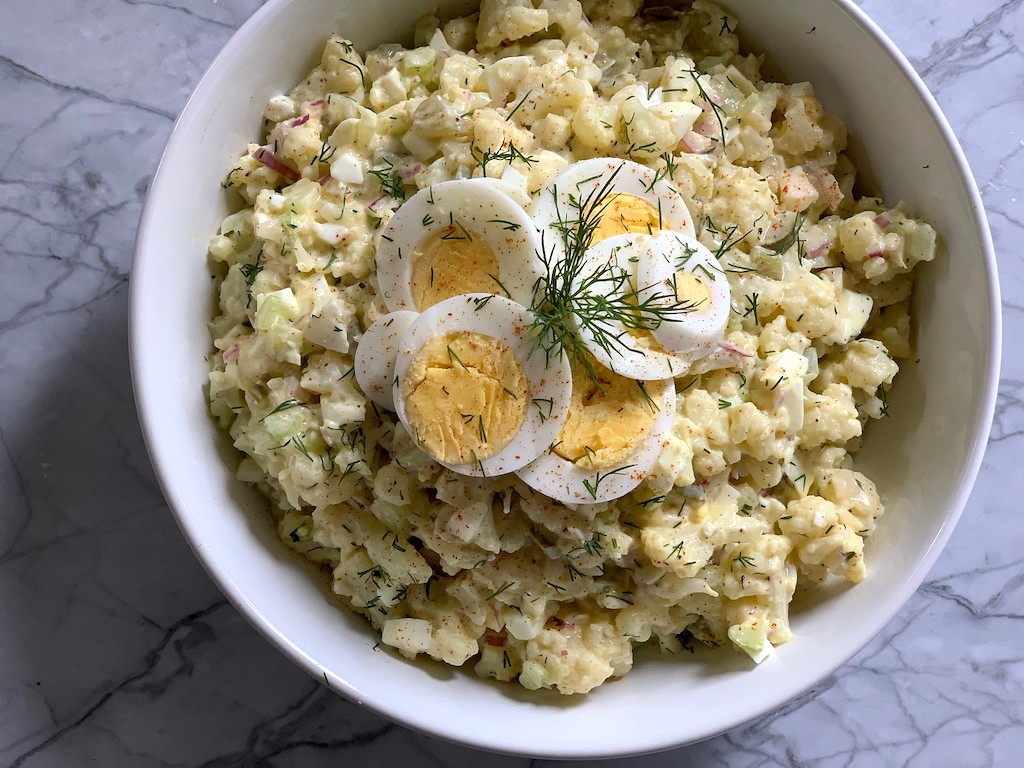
(117, 649)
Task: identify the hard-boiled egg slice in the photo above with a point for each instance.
(473, 391)
(678, 268)
(611, 439)
(615, 196)
(461, 236)
(376, 353)
(608, 273)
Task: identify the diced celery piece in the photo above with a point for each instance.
(276, 308)
(751, 638)
(302, 195)
(275, 314)
(285, 424)
(533, 675)
(419, 62)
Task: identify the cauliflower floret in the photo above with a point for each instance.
(881, 246)
(508, 20)
(852, 491)
(373, 573)
(341, 66)
(446, 634)
(825, 538)
(575, 656)
(684, 543)
(830, 417)
(806, 128)
(742, 199)
(864, 364)
(892, 328)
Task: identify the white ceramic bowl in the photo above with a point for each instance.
(924, 457)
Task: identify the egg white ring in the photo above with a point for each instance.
(548, 379)
(588, 178)
(563, 480)
(375, 356)
(478, 205)
(696, 333)
(624, 356)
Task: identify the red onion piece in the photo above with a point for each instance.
(274, 163)
(732, 349)
(696, 144)
(230, 353)
(883, 220)
(299, 121)
(706, 126)
(818, 249)
(410, 172)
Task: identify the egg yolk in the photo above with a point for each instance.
(624, 214)
(465, 396)
(449, 262)
(608, 418)
(691, 289)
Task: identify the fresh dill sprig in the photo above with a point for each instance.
(499, 590)
(600, 477)
(325, 155)
(545, 406)
(882, 395)
(519, 104)
(249, 272)
(508, 226)
(751, 308)
(717, 110)
(793, 238)
(454, 358)
(667, 172)
(390, 181)
(729, 241)
(569, 298)
(300, 446)
(647, 397)
(287, 405)
(653, 500)
(505, 153)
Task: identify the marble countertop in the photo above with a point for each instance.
(116, 647)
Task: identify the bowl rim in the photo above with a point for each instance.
(148, 408)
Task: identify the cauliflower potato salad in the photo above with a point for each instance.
(554, 334)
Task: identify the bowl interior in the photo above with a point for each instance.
(924, 457)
